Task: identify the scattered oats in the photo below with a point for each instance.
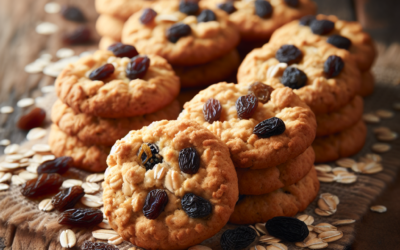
(90, 188)
(45, 205)
(86, 53)
(310, 228)
(323, 168)
(382, 129)
(381, 147)
(307, 219)
(258, 247)
(6, 110)
(70, 183)
(310, 236)
(34, 68)
(382, 113)
(276, 70)
(378, 209)
(48, 89)
(343, 222)
(167, 18)
(4, 187)
(346, 162)
(11, 149)
(324, 227)
(268, 238)
(321, 212)
(41, 148)
(325, 177)
(5, 177)
(327, 203)
(339, 170)
(396, 105)
(252, 227)
(32, 167)
(371, 157)
(48, 158)
(105, 225)
(330, 236)
(5, 142)
(46, 57)
(16, 180)
(95, 178)
(64, 53)
(276, 246)
(10, 165)
(54, 69)
(28, 154)
(39, 99)
(14, 158)
(27, 175)
(371, 118)
(104, 234)
(115, 240)
(346, 178)
(46, 28)
(369, 168)
(391, 136)
(91, 201)
(37, 158)
(24, 164)
(300, 244)
(316, 243)
(67, 238)
(26, 102)
(261, 228)
(52, 8)
(36, 133)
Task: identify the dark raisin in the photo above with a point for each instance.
(178, 30)
(206, 16)
(196, 206)
(72, 13)
(292, 3)
(81, 217)
(263, 8)
(306, 20)
(227, 7)
(43, 185)
(261, 91)
(81, 35)
(156, 201)
(246, 106)
(189, 160)
(148, 16)
(33, 119)
(322, 27)
(123, 50)
(270, 127)
(137, 67)
(339, 41)
(88, 245)
(59, 165)
(287, 229)
(188, 7)
(238, 239)
(212, 110)
(294, 78)
(102, 72)
(240, 198)
(333, 66)
(148, 154)
(288, 54)
(67, 198)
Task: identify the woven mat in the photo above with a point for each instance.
(23, 226)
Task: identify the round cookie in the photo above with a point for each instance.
(287, 201)
(106, 42)
(343, 144)
(94, 130)
(121, 9)
(194, 42)
(342, 119)
(263, 181)
(199, 203)
(247, 149)
(109, 26)
(90, 158)
(367, 83)
(117, 96)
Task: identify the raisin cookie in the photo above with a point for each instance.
(262, 127)
(181, 32)
(109, 26)
(169, 186)
(105, 85)
(105, 131)
(121, 9)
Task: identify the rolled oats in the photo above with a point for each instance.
(381, 130)
(276, 246)
(378, 209)
(90, 188)
(323, 168)
(48, 89)
(343, 222)
(52, 7)
(346, 178)
(371, 157)
(27, 175)
(307, 219)
(46, 28)
(5, 177)
(383, 113)
(35, 134)
(268, 239)
(5, 142)
(325, 177)
(371, 118)
(71, 182)
(115, 240)
(67, 238)
(48, 158)
(252, 227)
(321, 212)
(339, 170)
(32, 167)
(330, 236)
(324, 227)
(4, 187)
(327, 203)
(346, 162)
(26, 102)
(95, 178)
(316, 243)
(381, 147)
(11, 149)
(10, 165)
(390, 136)
(16, 180)
(258, 247)
(14, 158)
(41, 148)
(64, 53)
(28, 154)
(45, 205)
(6, 110)
(104, 234)
(105, 224)
(200, 247)
(91, 201)
(261, 228)
(166, 18)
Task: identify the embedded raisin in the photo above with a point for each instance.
(227, 7)
(340, 42)
(333, 66)
(289, 54)
(238, 239)
(137, 67)
(81, 35)
(59, 165)
(102, 72)
(188, 7)
(189, 160)
(206, 16)
(292, 3)
(287, 228)
(44, 184)
(263, 8)
(81, 217)
(178, 30)
(148, 154)
(148, 16)
(123, 50)
(322, 27)
(261, 91)
(270, 127)
(156, 201)
(196, 206)
(88, 245)
(306, 20)
(212, 110)
(72, 13)
(294, 78)
(246, 106)
(67, 198)
(32, 120)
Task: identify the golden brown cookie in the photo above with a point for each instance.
(367, 83)
(94, 130)
(105, 42)
(109, 26)
(121, 9)
(343, 144)
(87, 157)
(249, 150)
(287, 201)
(263, 181)
(117, 96)
(195, 195)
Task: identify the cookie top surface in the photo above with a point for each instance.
(117, 95)
(249, 150)
(121, 9)
(183, 39)
(128, 186)
(324, 77)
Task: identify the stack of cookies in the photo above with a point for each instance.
(105, 95)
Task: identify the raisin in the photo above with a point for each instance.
(123, 50)
(288, 54)
(287, 228)
(148, 154)
(148, 16)
(88, 245)
(102, 72)
(294, 78)
(263, 8)
(59, 165)
(227, 7)
(188, 7)
(81, 217)
(212, 110)
(67, 198)
(238, 239)
(81, 35)
(292, 3)
(137, 67)
(72, 13)
(44, 184)
(240, 198)
(270, 127)
(206, 16)
(32, 120)
(306, 20)
(322, 27)
(246, 106)
(156, 201)
(339, 41)
(333, 66)
(261, 91)
(189, 160)
(178, 30)
(196, 206)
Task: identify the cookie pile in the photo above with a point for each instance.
(105, 95)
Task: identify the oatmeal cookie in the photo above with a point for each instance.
(121, 9)
(117, 96)
(368, 83)
(93, 130)
(109, 26)
(105, 42)
(169, 186)
(292, 122)
(287, 201)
